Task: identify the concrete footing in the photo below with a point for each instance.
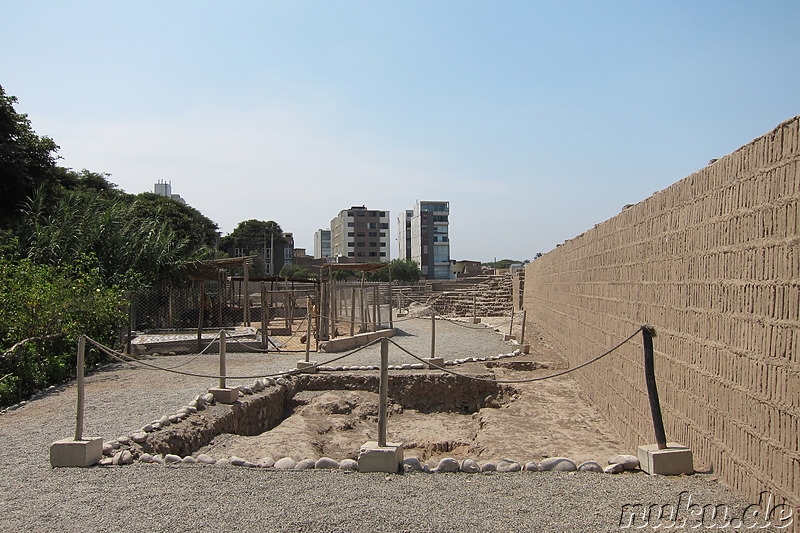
(71, 452)
(473, 320)
(507, 337)
(225, 395)
(673, 460)
(433, 362)
(525, 348)
(307, 367)
(374, 458)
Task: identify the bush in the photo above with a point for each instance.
(40, 301)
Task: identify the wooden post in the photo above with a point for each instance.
(246, 294)
(648, 332)
(201, 315)
(361, 304)
(222, 362)
(268, 311)
(221, 297)
(383, 392)
(264, 317)
(522, 333)
(391, 311)
(353, 314)
(308, 327)
(286, 312)
(376, 308)
(474, 307)
(81, 387)
(433, 333)
(511, 326)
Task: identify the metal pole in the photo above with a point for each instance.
(222, 348)
(384, 392)
(433, 333)
(648, 332)
(308, 327)
(79, 369)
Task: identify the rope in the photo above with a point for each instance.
(528, 380)
(126, 359)
(199, 354)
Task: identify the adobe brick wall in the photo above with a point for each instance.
(713, 262)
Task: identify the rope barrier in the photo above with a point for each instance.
(528, 380)
(216, 338)
(126, 359)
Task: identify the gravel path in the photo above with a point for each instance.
(196, 498)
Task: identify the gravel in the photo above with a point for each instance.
(199, 497)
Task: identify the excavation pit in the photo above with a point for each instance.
(332, 415)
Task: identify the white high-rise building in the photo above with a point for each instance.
(360, 235)
(424, 238)
(164, 188)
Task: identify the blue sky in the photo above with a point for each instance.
(535, 120)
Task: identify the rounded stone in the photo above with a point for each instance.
(146, 458)
(448, 464)
(270, 381)
(266, 462)
(164, 421)
(326, 463)
(209, 398)
(348, 465)
(106, 461)
(190, 408)
(616, 468)
(281, 381)
(124, 439)
(108, 449)
(126, 457)
(189, 460)
(236, 461)
(174, 419)
(628, 462)
(305, 464)
(246, 390)
(223, 462)
(156, 426)
(158, 458)
(412, 464)
(205, 459)
(489, 467)
(531, 466)
(139, 436)
(172, 458)
(590, 466)
(557, 464)
(507, 465)
(147, 428)
(469, 466)
(285, 463)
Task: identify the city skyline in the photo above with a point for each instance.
(538, 115)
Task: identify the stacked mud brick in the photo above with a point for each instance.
(713, 262)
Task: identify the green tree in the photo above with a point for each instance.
(186, 221)
(294, 271)
(403, 270)
(59, 303)
(252, 236)
(26, 159)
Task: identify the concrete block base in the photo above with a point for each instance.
(70, 452)
(374, 458)
(435, 362)
(307, 367)
(673, 460)
(526, 348)
(473, 320)
(507, 337)
(225, 395)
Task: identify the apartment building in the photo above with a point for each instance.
(426, 238)
(322, 243)
(360, 235)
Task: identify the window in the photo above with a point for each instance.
(374, 234)
(350, 244)
(383, 234)
(361, 234)
(383, 254)
(350, 224)
(361, 244)
(351, 254)
(373, 254)
(351, 234)
(382, 214)
(360, 254)
(384, 225)
(360, 213)
(373, 244)
(383, 245)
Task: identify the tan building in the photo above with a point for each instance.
(360, 235)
